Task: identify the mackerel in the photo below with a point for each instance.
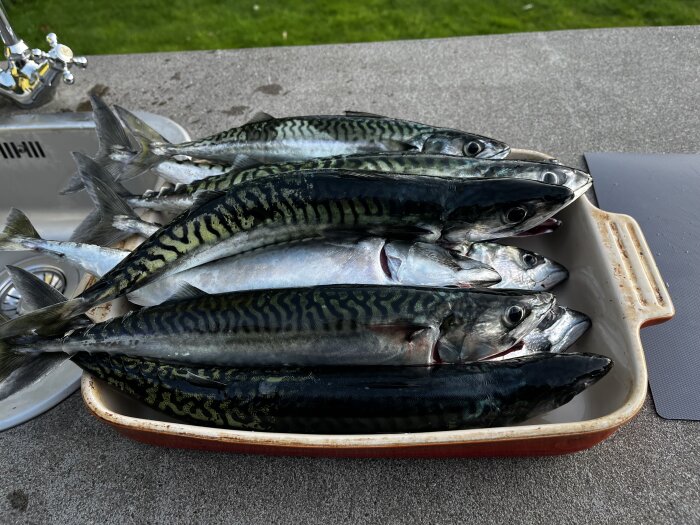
(266, 139)
(312, 262)
(358, 400)
(182, 196)
(323, 325)
(317, 204)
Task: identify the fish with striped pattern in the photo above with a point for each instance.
(337, 400)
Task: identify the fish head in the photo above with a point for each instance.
(423, 264)
(461, 144)
(550, 173)
(566, 376)
(520, 269)
(501, 320)
(558, 330)
(510, 207)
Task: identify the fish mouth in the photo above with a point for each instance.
(554, 278)
(580, 323)
(582, 189)
(494, 151)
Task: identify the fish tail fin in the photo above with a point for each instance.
(145, 137)
(17, 227)
(111, 137)
(47, 320)
(19, 369)
(97, 228)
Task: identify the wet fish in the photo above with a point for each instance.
(19, 235)
(313, 205)
(520, 269)
(266, 139)
(323, 325)
(319, 262)
(338, 400)
(559, 329)
(182, 196)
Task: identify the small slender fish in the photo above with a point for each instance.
(559, 329)
(266, 139)
(320, 326)
(339, 400)
(20, 235)
(280, 209)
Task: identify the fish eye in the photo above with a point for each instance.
(550, 178)
(529, 260)
(516, 215)
(514, 316)
(473, 148)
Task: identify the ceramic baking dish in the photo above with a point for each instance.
(613, 278)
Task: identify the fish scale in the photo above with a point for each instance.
(324, 325)
(336, 400)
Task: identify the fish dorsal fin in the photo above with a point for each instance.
(186, 291)
(199, 380)
(350, 113)
(203, 196)
(260, 116)
(18, 224)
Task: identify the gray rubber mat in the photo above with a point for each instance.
(662, 192)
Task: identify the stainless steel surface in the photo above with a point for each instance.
(35, 163)
(30, 77)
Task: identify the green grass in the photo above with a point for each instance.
(126, 26)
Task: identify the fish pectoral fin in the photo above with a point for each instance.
(260, 116)
(422, 232)
(185, 291)
(406, 332)
(203, 196)
(351, 113)
(242, 162)
(198, 380)
(391, 145)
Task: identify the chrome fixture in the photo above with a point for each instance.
(30, 77)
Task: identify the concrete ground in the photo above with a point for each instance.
(562, 93)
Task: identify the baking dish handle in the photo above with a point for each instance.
(634, 269)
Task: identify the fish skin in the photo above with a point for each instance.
(313, 205)
(339, 400)
(182, 196)
(323, 325)
(321, 262)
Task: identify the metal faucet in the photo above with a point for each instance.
(30, 77)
